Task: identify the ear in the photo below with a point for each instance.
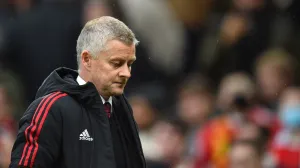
(86, 59)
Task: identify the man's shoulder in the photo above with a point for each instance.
(55, 100)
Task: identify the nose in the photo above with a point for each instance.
(125, 72)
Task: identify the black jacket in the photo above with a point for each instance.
(67, 127)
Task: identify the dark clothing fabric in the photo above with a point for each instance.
(67, 126)
(118, 142)
(156, 164)
(124, 126)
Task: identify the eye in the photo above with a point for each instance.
(116, 64)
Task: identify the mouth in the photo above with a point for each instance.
(120, 83)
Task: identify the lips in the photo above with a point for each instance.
(121, 83)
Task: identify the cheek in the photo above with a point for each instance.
(101, 75)
(98, 78)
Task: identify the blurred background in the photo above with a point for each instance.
(214, 84)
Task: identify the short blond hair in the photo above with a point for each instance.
(238, 83)
(97, 32)
(278, 58)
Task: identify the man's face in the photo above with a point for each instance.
(271, 82)
(112, 69)
(194, 107)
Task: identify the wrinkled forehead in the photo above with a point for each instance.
(116, 48)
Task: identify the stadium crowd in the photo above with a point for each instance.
(214, 85)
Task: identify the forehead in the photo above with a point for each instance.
(117, 49)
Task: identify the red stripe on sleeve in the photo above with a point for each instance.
(26, 131)
(30, 130)
(41, 125)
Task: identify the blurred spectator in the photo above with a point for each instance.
(246, 154)
(10, 109)
(224, 41)
(11, 101)
(161, 32)
(172, 30)
(262, 137)
(145, 116)
(169, 135)
(195, 100)
(251, 131)
(274, 72)
(286, 145)
(235, 88)
(235, 100)
(6, 143)
(195, 103)
(143, 111)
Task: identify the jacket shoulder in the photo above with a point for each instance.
(66, 100)
(66, 103)
(48, 101)
(56, 101)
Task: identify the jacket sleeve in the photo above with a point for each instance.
(39, 137)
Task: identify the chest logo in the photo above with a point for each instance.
(85, 136)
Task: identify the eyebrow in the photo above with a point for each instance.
(122, 58)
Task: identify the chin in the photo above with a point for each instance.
(117, 92)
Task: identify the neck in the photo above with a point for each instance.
(105, 97)
(87, 78)
(84, 75)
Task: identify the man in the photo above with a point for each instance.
(82, 119)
